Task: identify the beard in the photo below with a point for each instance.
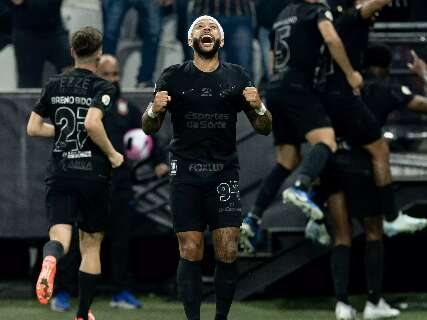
(206, 54)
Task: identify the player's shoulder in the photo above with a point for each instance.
(174, 69)
(316, 10)
(235, 69)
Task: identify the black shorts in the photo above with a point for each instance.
(351, 172)
(214, 203)
(351, 118)
(296, 110)
(81, 202)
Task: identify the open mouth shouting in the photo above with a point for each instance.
(207, 40)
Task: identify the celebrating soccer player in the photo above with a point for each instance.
(203, 97)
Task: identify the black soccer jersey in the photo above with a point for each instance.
(65, 101)
(204, 109)
(384, 96)
(353, 30)
(296, 39)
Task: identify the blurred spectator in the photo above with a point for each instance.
(181, 9)
(38, 36)
(5, 25)
(236, 18)
(149, 14)
(267, 12)
(123, 116)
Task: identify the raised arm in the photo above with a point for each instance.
(259, 116)
(339, 54)
(369, 8)
(37, 127)
(153, 117)
(96, 131)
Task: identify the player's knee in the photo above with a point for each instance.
(380, 151)
(227, 253)
(90, 242)
(191, 250)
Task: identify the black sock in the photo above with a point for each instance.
(270, 187)
(374, 263)
(388, 206)
(312, 165)
(225, 285)
(189, 278)
(340, 265)
(87, 289)
(53, 248)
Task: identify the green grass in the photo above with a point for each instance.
(156, 308)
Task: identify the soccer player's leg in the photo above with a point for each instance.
(187, 205)
(93, 206)
(60, 207)
(311, 123)
(340, 258)
(287, 159)
(224, 218)
(376, 307)
(89, 272)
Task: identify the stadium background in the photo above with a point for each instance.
(288, 266)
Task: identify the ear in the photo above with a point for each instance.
(190, 43)
(221, 44)
(73, 53)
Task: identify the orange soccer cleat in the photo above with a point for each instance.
(44, 287)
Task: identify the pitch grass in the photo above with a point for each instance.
(156, 308)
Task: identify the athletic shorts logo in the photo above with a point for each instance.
(106, 99)
(174, 167)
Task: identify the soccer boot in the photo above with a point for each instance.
(44, 287)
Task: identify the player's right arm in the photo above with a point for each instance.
(96, 131)
(153, 117)
(37, 127)
(369, 8)
(339, 54)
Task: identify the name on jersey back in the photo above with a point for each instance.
(84, 101)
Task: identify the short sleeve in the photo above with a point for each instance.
(104, 95)
(400, 96)
(322, 13)
(163, 83)
(42, 106)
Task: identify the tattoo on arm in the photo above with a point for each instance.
(152, 125)
(261, 124)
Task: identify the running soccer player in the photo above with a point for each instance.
(80, 166)
(355, 194)
(298, 114)
(203, 97)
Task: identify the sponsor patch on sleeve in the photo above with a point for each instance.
(406, 91)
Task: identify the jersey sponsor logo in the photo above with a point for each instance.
(205, 167)
(406, 91)
(106, 99)
(79, 164)
(77, 154)
(206, 120)
(71, 100)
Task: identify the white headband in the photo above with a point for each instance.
(190, 31)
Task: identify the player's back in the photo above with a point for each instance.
(65, 101)
(296, 37)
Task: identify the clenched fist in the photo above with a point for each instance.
(161, 101)
(251, 95)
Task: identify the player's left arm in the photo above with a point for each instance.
(369, 8)
(258, 115)
(37, 127)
